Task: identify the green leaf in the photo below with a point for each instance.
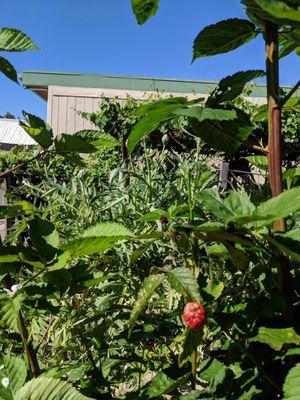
(280, 10)
(232, 86)
(8, 69)
(226, 136)
(276, 11)
(65, 143)
(214, 289)
(38, 129)
(154, 115)
(202, 114)
(279, 207)
(108, 229)
(161, 384)
(16, 209)
(276, 338)
(291, 387)
(14, 369)
(45, 237)
(213, 371)
(98, 139)
(214, 204)
(149, 286)
(15, 40)
(192, 340)
(144, 9)
(222, 37)
(47, 388)
(260, 162)
(183, 280)
(11, 306)
(154, 215)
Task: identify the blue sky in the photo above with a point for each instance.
(102, 36)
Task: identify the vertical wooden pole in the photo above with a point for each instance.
(275, 143)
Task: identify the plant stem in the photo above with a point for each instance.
(275, 144)
(31, 353)
(194, 369)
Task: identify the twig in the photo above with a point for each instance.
(289, 95)
(51, 320)
(9, 171)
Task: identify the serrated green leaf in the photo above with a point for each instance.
(232, 86)
(260, 162)
(98, 139)
(47, 388)
(154, 115)
(202, 114)
(291, 387)
(226, 136)
(136, 254)
(8, 69)
(149, 286)
(154, 215)
(276, 338)
(11, 307)
(280, 10)
(15, 370)
(183, 280)
(38, 129)
(223, 37)
(45, 237)
(15, 40)
(144, 9)
(108, 229)
(65, 143)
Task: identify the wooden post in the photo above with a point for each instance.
(223, 177)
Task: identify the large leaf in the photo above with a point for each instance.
(38, 129)
(232, 86)
(10, 310)
(276, 338)
(13, 370)
(154, 115)
(15, 40)
(47, 388)
(226, 136)
(8, 69)
(280, 206)
(162, 384)
(45, 237)
(108, 229)
(144, 9)
(98, 139)
(202, 114)
(149, 286)
(222, 37)
(183, 280)
(278, 12)
(65, 143)
(291, 387)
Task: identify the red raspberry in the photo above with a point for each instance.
(194, 315)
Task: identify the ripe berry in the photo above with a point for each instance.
(194, 315)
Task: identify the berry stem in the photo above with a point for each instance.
(194, 368)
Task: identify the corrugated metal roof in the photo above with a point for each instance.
(12, 133)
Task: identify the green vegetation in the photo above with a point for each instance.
(108, 248)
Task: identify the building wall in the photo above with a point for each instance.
(65, 102)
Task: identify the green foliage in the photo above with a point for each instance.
(223, 37)
(144, 9)
(291, 384)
